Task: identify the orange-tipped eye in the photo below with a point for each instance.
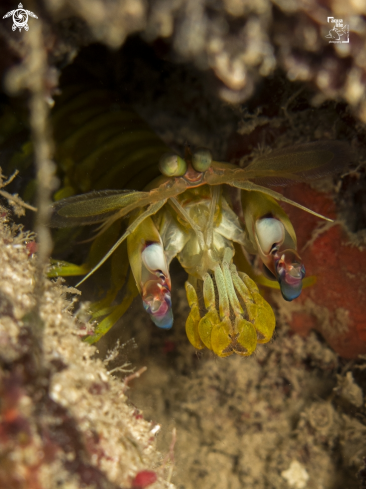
(201, 160)
(172, 165)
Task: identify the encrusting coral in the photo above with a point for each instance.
(64, 419)
(240, 41)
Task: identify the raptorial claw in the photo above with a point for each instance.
(237, 316)
(246, 340)
(206, 325)
(210, 319)
(194, 318)
(259, 311)
(221, 338)
(263, 318)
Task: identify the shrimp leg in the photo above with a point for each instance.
(151, 210)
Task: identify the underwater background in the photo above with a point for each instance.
(239, 78)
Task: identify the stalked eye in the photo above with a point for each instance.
(157, 302)
(269, 232)
(172, 165)
(154, 258)
(201, 160)
(290, 271)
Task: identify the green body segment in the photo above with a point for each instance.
(101, 143)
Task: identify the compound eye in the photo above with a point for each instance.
(172, 165)
(201, 160)
(290, 271)
(154, 259)
(270, 233)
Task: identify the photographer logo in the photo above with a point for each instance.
(20, 18)
(338, 33)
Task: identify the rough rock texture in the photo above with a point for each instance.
(64, 419)
(335, 306)
(290, 416)
(240, 41)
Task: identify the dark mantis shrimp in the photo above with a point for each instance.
(205, 213)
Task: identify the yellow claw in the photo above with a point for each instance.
(246, 337)
(240, 324)
(260, 312)
(221, 338)
(194, 318)
(206, 326)
(210, 319)
(264, 319)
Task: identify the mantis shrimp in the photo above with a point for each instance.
(209, 215)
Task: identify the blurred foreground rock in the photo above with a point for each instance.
(64, 420)
(240, 41)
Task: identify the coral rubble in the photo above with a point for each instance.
(64, 419)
